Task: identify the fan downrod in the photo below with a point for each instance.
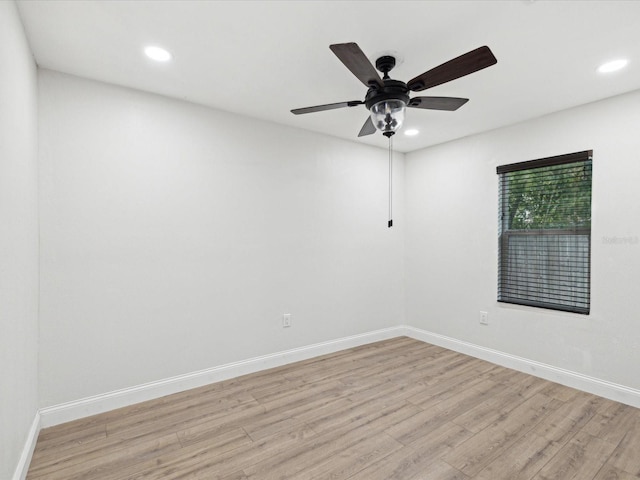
(385, 64)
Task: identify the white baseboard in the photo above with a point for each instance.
(85, 407)
(603, 388)
(27, 452)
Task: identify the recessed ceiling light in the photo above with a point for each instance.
(412, 132)
(613, 65)
(157, 53)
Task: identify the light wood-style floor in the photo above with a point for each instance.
(398, 409)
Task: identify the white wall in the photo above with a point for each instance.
(174, 237)
(18, 240)
(451, 242)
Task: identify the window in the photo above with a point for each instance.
(545, 232)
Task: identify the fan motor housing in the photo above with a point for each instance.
(392, 90)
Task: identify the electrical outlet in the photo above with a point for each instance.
(484, 318)
(286, 320)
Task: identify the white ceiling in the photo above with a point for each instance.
(264, 58)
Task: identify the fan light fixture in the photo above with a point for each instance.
(388, 115)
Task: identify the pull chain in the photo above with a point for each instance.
(390, 223)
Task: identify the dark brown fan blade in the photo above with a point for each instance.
(356, 61)
(458, 67)
(437, 103)
(329, 106)
(368, 128)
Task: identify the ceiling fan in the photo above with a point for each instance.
(386, 99)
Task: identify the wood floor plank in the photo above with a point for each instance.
(131, 428)
(626, 456)
(613, 423)
(194, 431)
(69, 442)
(351, 460)
(452, 382)
(522, 460)
(608, 472)
(440, 470)
(432, 437)
(224, 438)
(488, 411)
(308, 455)
(475, 454)
(401, 464)
(96, 464)
(268, 424)
(581, 458)
(204, 461)
(569, 418)
(398, 409)
(415, 428)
